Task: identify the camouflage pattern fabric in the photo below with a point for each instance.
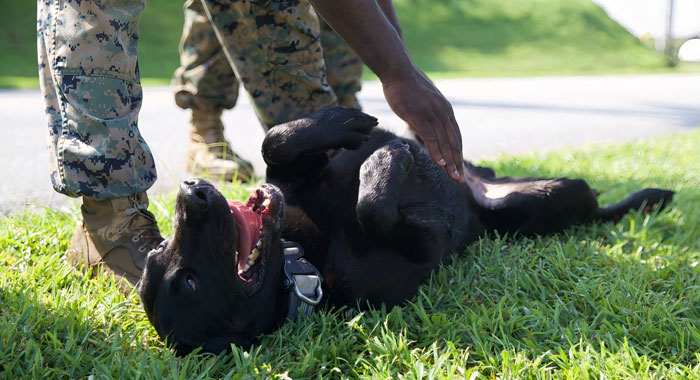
(206, 81)
(343, 66)
(90, 82)
(274, 48)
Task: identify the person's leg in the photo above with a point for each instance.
(204, 79)
(275, 50)
(90, 81)
(206, 84)
(343, 65)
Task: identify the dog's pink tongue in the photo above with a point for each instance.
(248, 224)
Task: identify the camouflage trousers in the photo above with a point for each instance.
(89, 78)
(289, 61)
(90, 82)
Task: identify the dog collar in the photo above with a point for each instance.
(302, 281)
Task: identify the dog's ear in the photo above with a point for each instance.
(153, 272)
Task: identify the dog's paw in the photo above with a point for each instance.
(652, 197)
(347, 117)
(351, 127)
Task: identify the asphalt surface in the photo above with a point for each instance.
(512, 115)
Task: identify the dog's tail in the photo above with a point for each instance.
(645, 200)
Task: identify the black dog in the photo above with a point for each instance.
(376, 219)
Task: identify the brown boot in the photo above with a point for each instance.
(209, 153)
(118, 233)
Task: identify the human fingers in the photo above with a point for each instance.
(450, 138)
(427, 134)
(445, 145)
(456, 139)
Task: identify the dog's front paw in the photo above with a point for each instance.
(350, 127)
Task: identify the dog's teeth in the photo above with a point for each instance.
(266, 203)
(259, 245)
(253, 255)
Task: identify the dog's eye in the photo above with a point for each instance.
(191, 283)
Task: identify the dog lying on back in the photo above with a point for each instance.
(375, 219)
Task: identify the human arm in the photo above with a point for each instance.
(387, 6)
(410, 94)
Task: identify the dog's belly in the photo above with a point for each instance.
(371, 274)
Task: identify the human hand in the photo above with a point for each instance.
(416, 100)
(365, 26)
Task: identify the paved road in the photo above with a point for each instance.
(496, 115)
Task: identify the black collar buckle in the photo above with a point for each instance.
(303, 280)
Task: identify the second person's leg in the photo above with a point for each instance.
(206, 84)
(344, 67)
(275, 50)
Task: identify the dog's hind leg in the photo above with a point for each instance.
(397, 213)
(646, 199)
(533, 205)
(542, 206)
(381, 177)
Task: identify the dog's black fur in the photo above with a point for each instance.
(376, 218)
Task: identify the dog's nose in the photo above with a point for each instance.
(196, 192)
(192, 182)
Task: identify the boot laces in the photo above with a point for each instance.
(148, 231)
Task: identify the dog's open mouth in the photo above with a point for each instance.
(255, 220)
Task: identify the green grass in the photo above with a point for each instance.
(447, 38)
(160, 30)
(516, 37)
(597, 301)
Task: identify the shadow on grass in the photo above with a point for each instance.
(56, 340)
(78, 327)
(55, 322)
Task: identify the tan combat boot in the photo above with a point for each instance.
(209, 153)
(118, 233)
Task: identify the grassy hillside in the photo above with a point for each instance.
(446, 38)
(519, 37)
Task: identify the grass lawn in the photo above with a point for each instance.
(447, 38)
(597, 301)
